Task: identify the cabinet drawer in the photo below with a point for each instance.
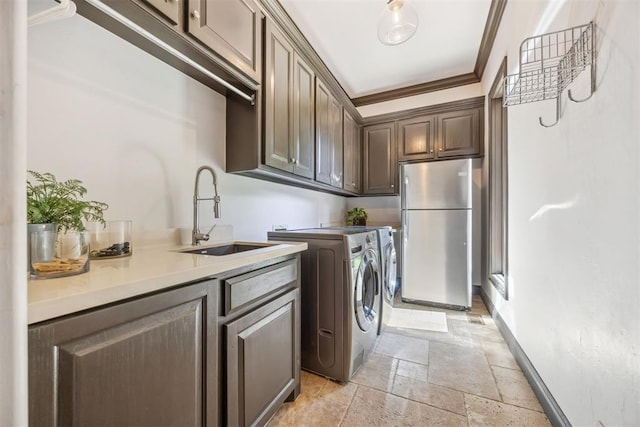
(243, 290)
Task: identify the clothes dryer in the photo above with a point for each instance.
(388, 261)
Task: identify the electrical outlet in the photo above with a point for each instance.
(279, 227)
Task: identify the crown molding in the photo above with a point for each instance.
(449, 82)
(489, 35)
(282, 18)
(446, 107)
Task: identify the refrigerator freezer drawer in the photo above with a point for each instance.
(437, 257)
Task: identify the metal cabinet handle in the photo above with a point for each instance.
(391, 185)
(195, 14)
(292, 160)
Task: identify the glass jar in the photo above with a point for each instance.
(110, 240)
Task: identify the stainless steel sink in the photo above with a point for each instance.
(233, 248)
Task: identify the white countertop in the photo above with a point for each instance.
(146, 270)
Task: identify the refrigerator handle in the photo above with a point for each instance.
(405, 227)
(404, 183)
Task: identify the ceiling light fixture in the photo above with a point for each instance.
(398, 22)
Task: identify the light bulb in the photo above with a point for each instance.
(398, 22)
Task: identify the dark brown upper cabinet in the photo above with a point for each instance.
(216, 42)
(459, 133)
(231, 28)
(289, 107)
(303, 117)
(352, 154)
(416, 138)
(329, 156)
(293, 134)
(380, 163)
(170, 9)
(278, 96)
(437, 136)
(337, 146)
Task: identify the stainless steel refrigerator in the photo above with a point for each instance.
(436, 224)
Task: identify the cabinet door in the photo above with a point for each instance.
(329, 155)
(263, 360)
(278, 88)
(147, 362)
(380, 165)
(303, 118)
(459, 133)
(352, 154)
(324, 154)
(231, 28)
(170, 9)
(335, 125)
(416, 138)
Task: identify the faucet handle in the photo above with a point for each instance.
(216, 207)
(197, 237)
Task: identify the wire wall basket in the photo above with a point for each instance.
(548, 64)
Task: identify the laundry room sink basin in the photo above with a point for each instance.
(229, 249)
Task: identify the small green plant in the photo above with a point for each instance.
(59, 202)
(357, 216)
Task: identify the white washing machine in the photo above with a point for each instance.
(341, 286)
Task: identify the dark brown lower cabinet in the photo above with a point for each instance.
(140, 363)
(263, 366)
(175, 357)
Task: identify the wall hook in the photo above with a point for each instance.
(593, 85)
(557, 114)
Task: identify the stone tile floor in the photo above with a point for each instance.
(463, 377)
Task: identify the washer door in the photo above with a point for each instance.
(367, 288)
(390, 273)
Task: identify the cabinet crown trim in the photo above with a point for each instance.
(446, 107)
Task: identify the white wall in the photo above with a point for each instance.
(574, 196)
(383, 210)
(13, 245)
(135, 130)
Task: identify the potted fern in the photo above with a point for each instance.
(56, 212)
(357, 216)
